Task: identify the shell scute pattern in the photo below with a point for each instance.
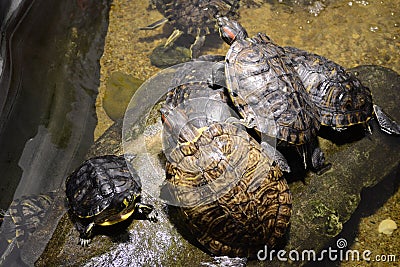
(340, 97)
(229, 192)
(265, 87)
(250, 212)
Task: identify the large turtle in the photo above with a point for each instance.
(102, 191)
(195, 18)
(268, 92)
(202, 104)
(340, 97)
(230, 193)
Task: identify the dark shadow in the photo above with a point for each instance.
(351, 134)
(372, 199)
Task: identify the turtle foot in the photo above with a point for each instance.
(386, 124)
(318, 162)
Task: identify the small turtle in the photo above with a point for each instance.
(340, 97)
(268, 93)
(103, 191)
(195, 18)
(24, 216)
(230, 193)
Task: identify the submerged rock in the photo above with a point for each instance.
(164, 57)
(321, 204)
(120, 87)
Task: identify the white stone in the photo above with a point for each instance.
(387, 226)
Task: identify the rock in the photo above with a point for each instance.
(387, 226)
(165, 57)
(321, 204)
(120, 87)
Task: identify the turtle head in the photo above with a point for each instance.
(177, 124)
(230, 30)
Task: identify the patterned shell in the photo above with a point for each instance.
(101, 184)
(234, 198)
(268, 92)
(231, 195)
(195, 17)
(339, 96)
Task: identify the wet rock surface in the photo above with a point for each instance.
(321, 204)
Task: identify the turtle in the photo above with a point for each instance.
(268, 93)
(103, 191)
(230, 194)
(195, 18)
(342, 100)
(27, 216)
(24, 216)
(190, 90)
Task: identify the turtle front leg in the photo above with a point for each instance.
(218, 78)
(197, 45)
(146, 211)
(85, 233)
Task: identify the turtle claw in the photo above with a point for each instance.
(386, 124)
(147, 211)
(84, 242)
(152, 217)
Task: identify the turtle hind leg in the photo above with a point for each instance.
(173, 37)
(318, 162)
(314, 156)
(146, 210)
(386, 124)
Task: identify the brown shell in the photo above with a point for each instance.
(234, 198)
(268, 92)
(340, 97)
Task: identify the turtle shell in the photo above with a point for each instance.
(195, 17)
(102, 187)
(340, 97)
(267, 91)
(231, 195)
(25, 215)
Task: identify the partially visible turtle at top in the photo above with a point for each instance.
(268, 93)
(230, 194)
(340, 97)
(196, 18)
(103, 191)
